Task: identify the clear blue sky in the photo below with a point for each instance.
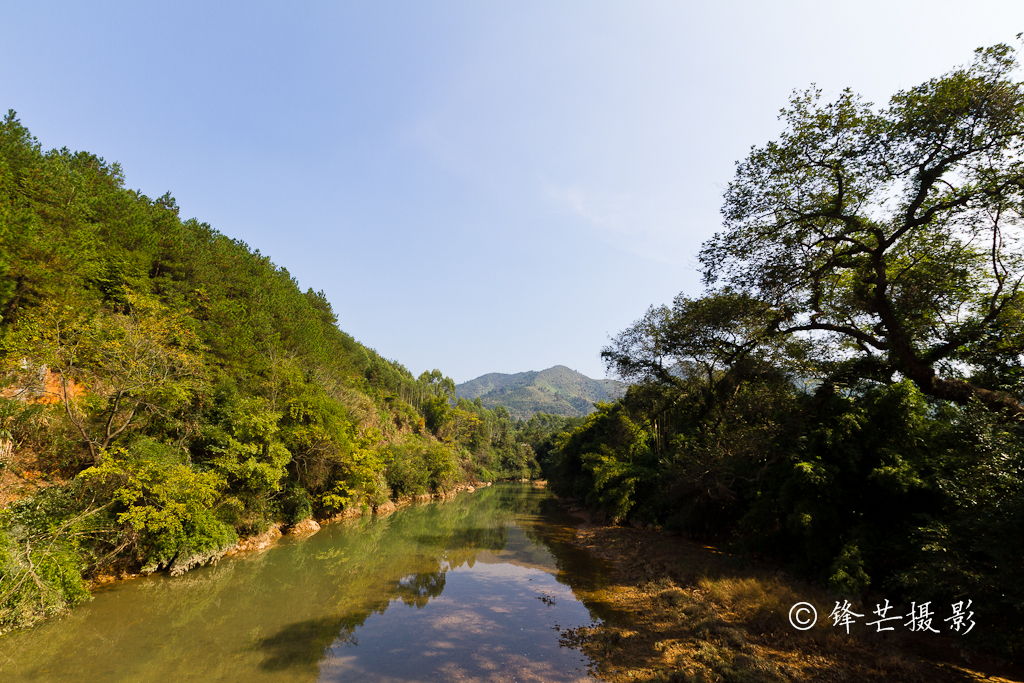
(476, 186)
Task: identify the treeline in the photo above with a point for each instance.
(164, 390)
(846, 396)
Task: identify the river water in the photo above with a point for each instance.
(475, 588)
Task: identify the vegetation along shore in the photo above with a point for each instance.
(167, 391)
(845, 398)
(836, 420)
(680, 610)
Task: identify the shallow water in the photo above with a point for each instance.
(476, 588)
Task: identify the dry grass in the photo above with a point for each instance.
(687, 612)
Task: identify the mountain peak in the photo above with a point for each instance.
(558, 390)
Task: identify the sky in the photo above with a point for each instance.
(476, 186)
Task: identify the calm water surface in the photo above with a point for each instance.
(471, 589)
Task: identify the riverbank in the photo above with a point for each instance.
(463, 589)
(272, 535)
(689, 612)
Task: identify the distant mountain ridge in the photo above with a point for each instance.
(557, 390)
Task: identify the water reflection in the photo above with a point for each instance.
(417, 589)
(303, 644)
(469, 589)
(488, 625)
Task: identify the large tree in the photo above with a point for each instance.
(892, 234)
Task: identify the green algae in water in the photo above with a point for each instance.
(468, 589)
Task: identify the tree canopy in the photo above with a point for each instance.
(891, 235)
(845, 396)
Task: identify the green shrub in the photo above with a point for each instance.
(442, 465)
(41, 561)
(296, 505)
(420, 465)
(405, 470)
(169, 506)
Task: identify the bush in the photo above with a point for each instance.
(169, 506)
(41, 562)
(405, 471)
(972, 550)
(420, 465)
(360, 481)
(296, 505)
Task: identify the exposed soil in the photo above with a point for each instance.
(689, 612)
(20, 475)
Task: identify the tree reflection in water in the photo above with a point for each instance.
(490, 625)
(339, 606)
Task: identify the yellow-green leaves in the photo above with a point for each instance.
(115, 370)
(170, 505)
(252, 456)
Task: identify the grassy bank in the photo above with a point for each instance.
(688, 612)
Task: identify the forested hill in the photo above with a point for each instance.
(164, 390)
(557, 390)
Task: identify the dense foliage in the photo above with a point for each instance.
(164, 390)
(846, 396)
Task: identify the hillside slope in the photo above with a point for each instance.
(557, 390)
(166, 390)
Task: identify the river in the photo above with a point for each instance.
(481, 587)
